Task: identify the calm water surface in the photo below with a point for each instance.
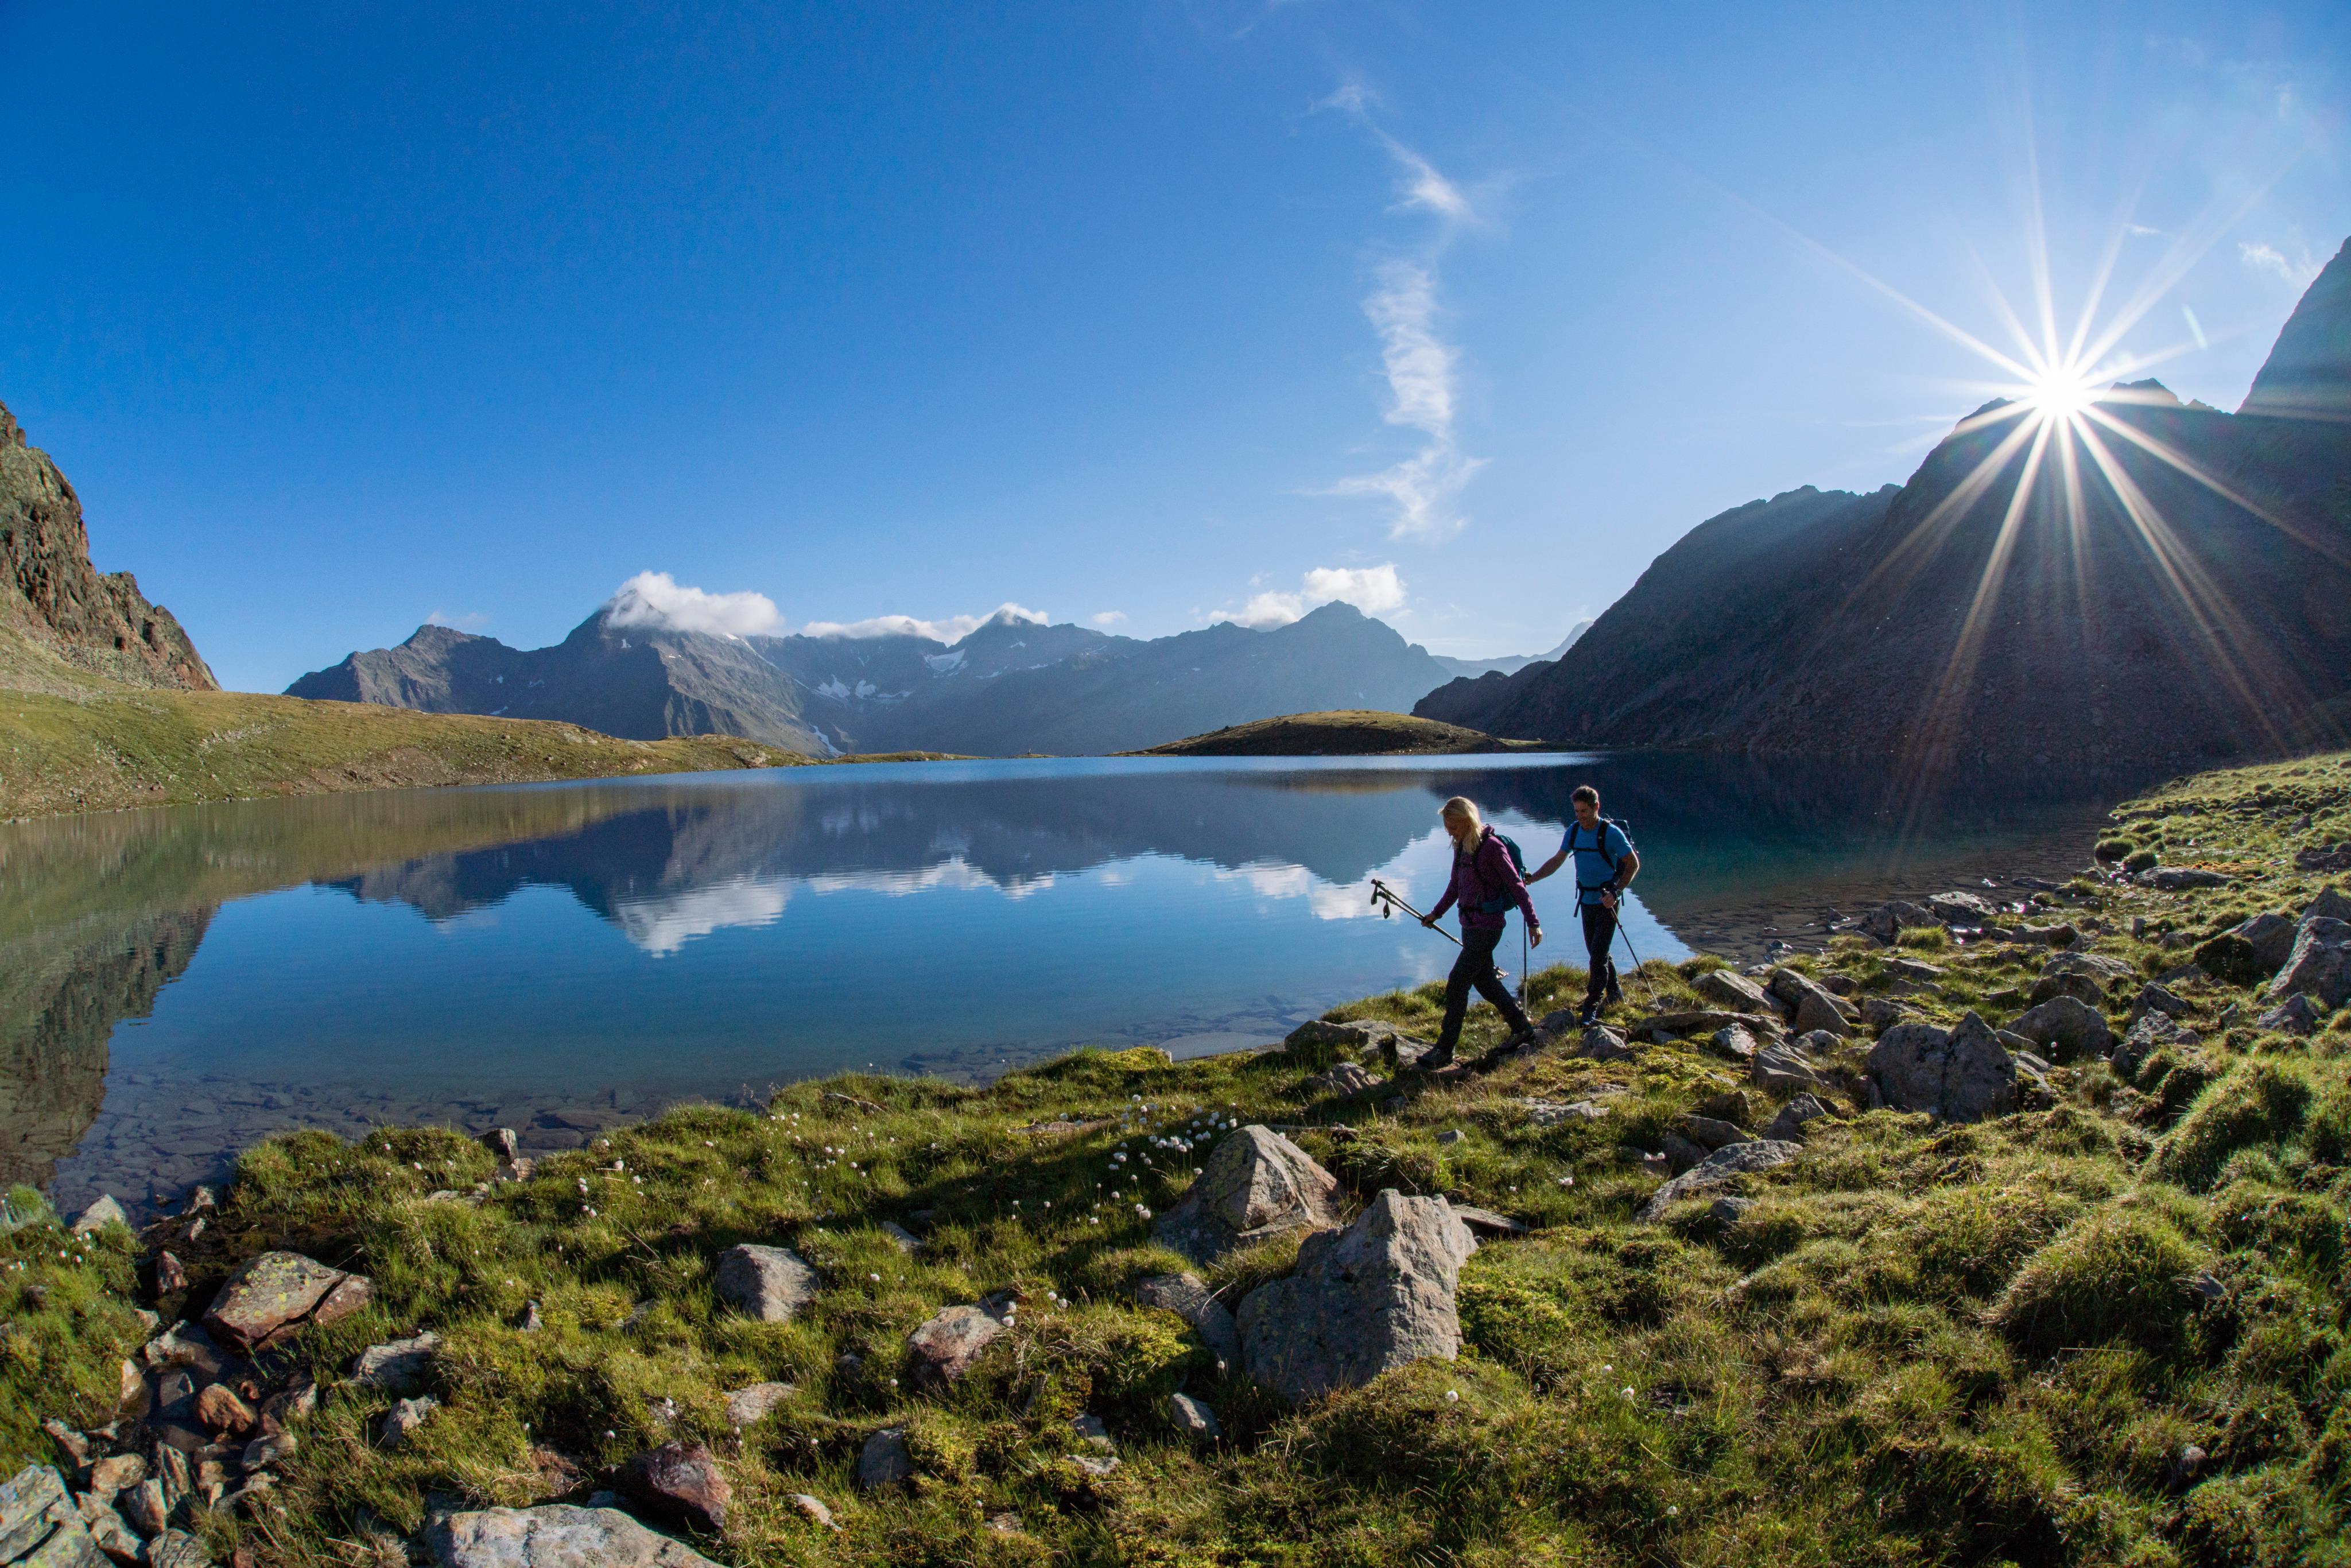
(175, 983)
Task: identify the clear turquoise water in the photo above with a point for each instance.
(551, 957)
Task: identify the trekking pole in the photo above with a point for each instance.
(1387, 901)
(1647, 994)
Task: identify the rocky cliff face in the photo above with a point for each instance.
(2186, 602)
(51, 595)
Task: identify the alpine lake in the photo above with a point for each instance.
(175, 984)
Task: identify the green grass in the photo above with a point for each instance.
(1922, 1344)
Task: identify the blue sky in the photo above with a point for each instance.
(340, 316)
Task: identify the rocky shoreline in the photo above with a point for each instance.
(2083, 1144)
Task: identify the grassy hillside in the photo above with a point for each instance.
(2110, 1329)
(1343, 732)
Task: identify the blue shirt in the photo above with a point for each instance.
(1591, 873)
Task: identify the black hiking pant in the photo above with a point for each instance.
(1475, 967)
(1599, 937)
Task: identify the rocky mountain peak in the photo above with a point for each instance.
(2308, 372)
(52, 595)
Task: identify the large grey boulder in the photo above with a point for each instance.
(1190, 1298)
(1374, 1296)
(1733, 990)
(2319, 966)
(2331, 903)
(1807, 997)
(1255, 1184)
(1722, 1167)
(1959, 1074)
(769, 1284)
(2250, 952)
(2087, 990)
(1790, 1064)
(1961, 909)
(555, 1535)
(2068, 1027)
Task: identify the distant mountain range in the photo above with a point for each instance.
(2194, 604)
(1010, 686)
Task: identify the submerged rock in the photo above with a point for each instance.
(1255, 1184)
(1377, 1295)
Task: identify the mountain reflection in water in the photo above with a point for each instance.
(175, 983)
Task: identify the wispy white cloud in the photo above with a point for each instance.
(1374, 590)
(470, 621)
(655, 599)
(1421, 368)
(1107, 617)
(953, 628)
(2297, 271)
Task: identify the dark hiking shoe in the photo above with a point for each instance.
(1590, 1015)
(1435, 1060)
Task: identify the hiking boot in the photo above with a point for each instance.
(1435, 1060)
(1590, 1015)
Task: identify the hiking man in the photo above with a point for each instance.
(1486, 882)
(1606, 865)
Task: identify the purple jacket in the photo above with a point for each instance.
(1484, 875)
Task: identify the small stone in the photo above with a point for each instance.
(2187, 1467)
(1551, 1113)
(1718, 1168)
(1731, 990)
(1190, 1298)
(749, 1406)
(116, 1473)
(1004, 1523)
(1733, 1040)
(1601, 1043)
(76, 1446)
(290, 1404)
(102, 1212)
(1451, 1136)
(945, 1346)
(1680, 1153)
(531, 1320)
(1788, 1125)
(1089, 1431)
(680, 1483)
(107, 1528)
(270, 1449)
(144, 1507)
(1788, 1065)
(1193, 1418)
(503, 1143)
(1711, 1133)
(1958, 1074)
(406, 1417)
(2296, 1015)
(351, 1293)
(131, 1398)
(1730, 1210)
(885, 1461)
(396, 1366)
(169, 1274)
(904, 1239)
(177, 1549)
(813, 1509)
(219, 1409)
(1096, 1464)
(1816, 1012)
(769, 1283)
(1486, 1222)
(2068, 1027)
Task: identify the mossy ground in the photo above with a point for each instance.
(1923, 1344)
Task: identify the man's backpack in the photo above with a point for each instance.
(1599, 846)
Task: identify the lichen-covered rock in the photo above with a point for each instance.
(555, 1535)
(1722, 1167)
(769, 1284)
(2068, 1027)
(1376, 1295)
(1189, 1298)
(1959, 1074)
(264, 1302)
(2319, 966)
(1255, 1184)
(40, 1526)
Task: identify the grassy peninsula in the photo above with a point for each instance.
(1341, 732)
(2108, 1328)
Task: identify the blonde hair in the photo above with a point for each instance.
(1463, 810)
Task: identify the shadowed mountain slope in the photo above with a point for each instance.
(2143, 582)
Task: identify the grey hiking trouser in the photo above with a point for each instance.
(1475, 967)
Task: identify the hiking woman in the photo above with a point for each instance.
(1606, 865)
(1486, 882)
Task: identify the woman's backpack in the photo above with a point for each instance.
(1517, 860)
